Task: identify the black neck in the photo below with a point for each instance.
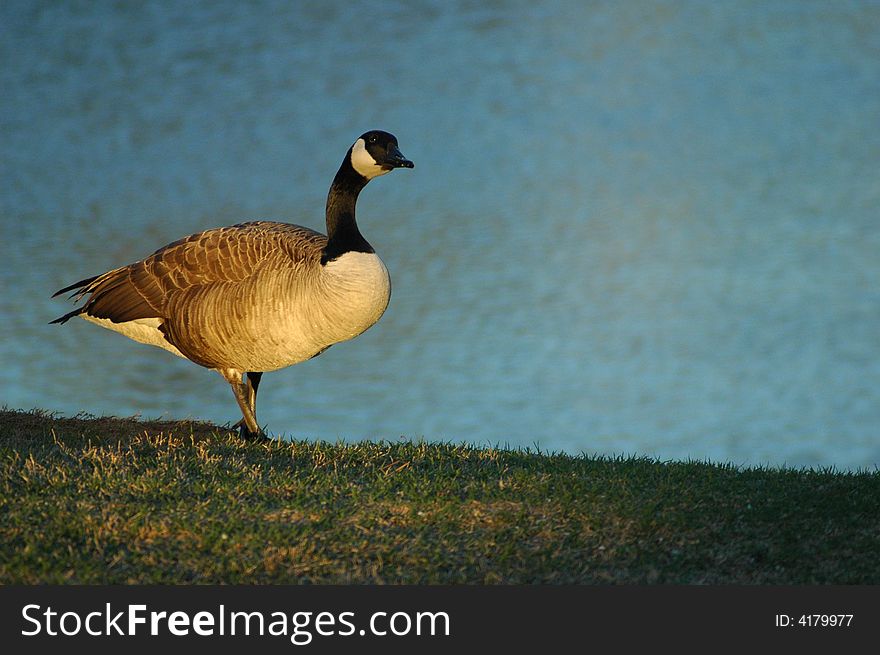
(342, 231)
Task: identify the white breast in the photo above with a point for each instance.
(358, 289)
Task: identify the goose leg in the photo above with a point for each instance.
(253, 383)
(245, 395)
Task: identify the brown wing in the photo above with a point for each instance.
(224, 255)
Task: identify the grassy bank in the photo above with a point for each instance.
(121, 501)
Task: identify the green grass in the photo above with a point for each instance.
(106, 500)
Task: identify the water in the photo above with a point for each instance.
(644, 228)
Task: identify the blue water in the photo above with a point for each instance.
(645, 228)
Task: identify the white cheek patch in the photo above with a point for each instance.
(363, 162)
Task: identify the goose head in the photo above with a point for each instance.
(376, 153)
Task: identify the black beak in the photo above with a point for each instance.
(395, 159)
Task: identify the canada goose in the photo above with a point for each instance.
(259, 296)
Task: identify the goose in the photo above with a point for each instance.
(258, 296)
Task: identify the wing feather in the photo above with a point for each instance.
(222, 256)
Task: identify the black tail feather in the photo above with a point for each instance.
(68, 316)
(76, 286)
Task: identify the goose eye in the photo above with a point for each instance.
(373, 138)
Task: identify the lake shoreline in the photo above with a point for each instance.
(90, 500)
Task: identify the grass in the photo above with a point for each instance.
(108, 500)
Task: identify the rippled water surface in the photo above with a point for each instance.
(645, 228)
